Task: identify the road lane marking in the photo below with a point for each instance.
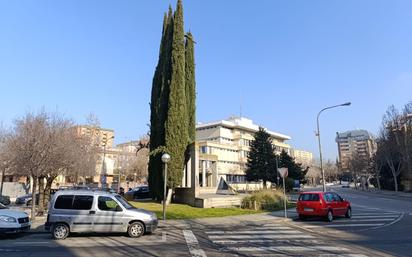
(286, 236)
(193, 244)
(376, 216)
(30, 242)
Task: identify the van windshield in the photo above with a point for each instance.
(123, 202)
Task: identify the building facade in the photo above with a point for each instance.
(303, 157)
(224, 147)
(354, 143)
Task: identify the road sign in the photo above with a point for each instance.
(283, 172)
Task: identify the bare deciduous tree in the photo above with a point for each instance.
(44, 146)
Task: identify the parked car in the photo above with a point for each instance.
(4, 199)
(27, 199)
(345, 184)
(140, 192)
(12, 221)
(77, 211)
(323, 204)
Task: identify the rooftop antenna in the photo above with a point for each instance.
(240, 107)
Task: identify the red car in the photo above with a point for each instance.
(324, 204)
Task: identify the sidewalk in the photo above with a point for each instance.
(386, 192)
(37, 226)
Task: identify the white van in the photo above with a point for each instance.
(82, 211)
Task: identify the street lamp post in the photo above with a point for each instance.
(3, 170)
(165, 160)
(120, 176)
(103, 178)
(320, 147)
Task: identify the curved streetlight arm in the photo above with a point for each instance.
(318, 135)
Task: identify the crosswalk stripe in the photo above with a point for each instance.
(288, 248)
(272, 228)
(375, 216)
(285, 236)
(254, 241)
(362, 220)
(193, 244)
(346, 225)
(253, 232)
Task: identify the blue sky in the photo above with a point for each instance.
(282, 61)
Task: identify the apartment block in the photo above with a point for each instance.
(354, 142)
(303, 157)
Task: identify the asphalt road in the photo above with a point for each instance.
(380, 226)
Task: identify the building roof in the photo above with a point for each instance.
(359, 134)
(93, 127)
(241, 123)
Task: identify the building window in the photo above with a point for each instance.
(235, 179)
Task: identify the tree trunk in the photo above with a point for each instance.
(378, 171)
(33, 192)
(396, 181)
(41, 195)
(264, 184)
(47, 190)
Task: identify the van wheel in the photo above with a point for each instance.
(60, 231)
(136, 229)
(348, 213)
(329, 216)
(302, 217)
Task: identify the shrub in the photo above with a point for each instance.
(289, 183)
(264, 200)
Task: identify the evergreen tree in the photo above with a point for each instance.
(158, 107)
(190, 85)
(295, 170)
(172, 121)
(261, 164)
(176, 132)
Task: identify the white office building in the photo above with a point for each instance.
(224, 146)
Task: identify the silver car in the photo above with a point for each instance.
(82, 211)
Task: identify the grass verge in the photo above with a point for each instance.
(183, 211)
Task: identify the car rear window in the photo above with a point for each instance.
(309, 197)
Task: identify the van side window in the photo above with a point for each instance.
(64, 202)
(107, 204)
(83, 202)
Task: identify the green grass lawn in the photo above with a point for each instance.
(182, 211)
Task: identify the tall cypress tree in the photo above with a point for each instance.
(158, 106)
(173, 103)
(190, 85)
(176, 133)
